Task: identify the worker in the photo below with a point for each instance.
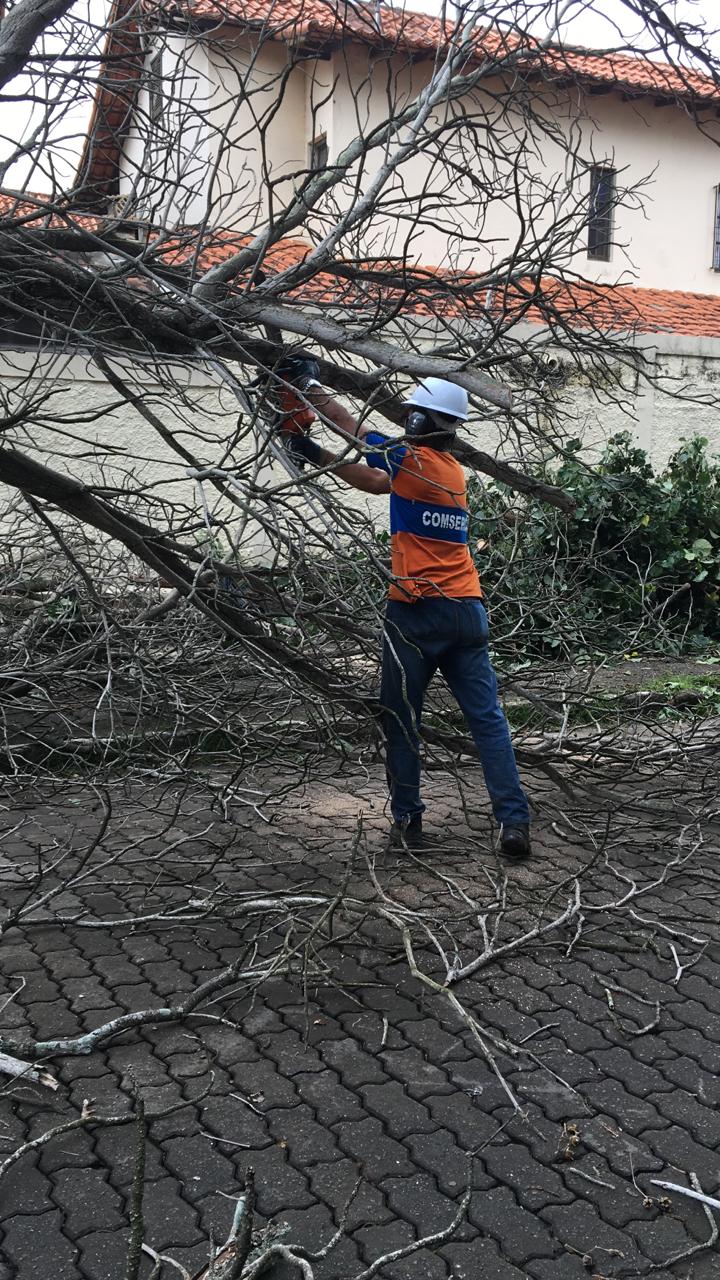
(435, 617)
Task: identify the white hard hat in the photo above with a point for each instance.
(440, 396)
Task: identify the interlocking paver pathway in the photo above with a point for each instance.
(348, 1070)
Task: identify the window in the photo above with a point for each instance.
(716, 241)
(600, 216)
(318, 153)
(155, 86)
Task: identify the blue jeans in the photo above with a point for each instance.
(452, 636)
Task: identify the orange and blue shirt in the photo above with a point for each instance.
(429, 521)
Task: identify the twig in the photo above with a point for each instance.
(137, 1221)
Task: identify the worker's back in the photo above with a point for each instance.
(429, 523)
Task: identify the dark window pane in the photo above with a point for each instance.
(716, 246)
(602, 200)
(318, 153)
(155, 86)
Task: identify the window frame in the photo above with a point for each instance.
(318, 153)
(155, 86)
(716, 232)
(600, 223)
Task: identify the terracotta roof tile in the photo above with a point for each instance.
(429, 290)
(422, 290)
(329, 21)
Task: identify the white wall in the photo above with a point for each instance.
(670, 238)
(166, 169)
(236, 124)
(669, 166)
(98, 440)
(222, 138)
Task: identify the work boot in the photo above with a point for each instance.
(515, 841)
(407, 834)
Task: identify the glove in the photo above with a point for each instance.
(300, 369)
(302, 449)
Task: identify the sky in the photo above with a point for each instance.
(595, 22)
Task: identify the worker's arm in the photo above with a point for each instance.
(335, 415)
(356, 474)
(301, 371)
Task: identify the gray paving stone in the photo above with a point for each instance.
(87, 993)
(479, 1258)
(444, 1158)
(634, 1115)
(683, 1109)
(418, 1076)
(329, 1099)
(112, 968)
(666, 1235)
(291, 1055)
(136, 1063)
(557, 1101)
(653, 1049)
(132, 998)
(169, 1219)
(312, 1227)
(398, 1102)
(639, 1078)
(440, 1045)
(176, 1125)
(400, 1114)
(687, 1073)
(228, 1117)
(264, 1088)
(279, 1186)
(228, 1046)
(579, 1226)
(354, 1066)
(464, 1118)
(493, 1210)
(700, 1018)
(94, 943)
(32, 1241)
(534, 1185)
(160, 1099)
(187, 1066)
(114, 1150)
(199, 1166)
(17, 958)
(307, 1141)
(623, 1152)
(336, 1184)
(578, 1035)
(42, 989)
(24, 1189)
(70, 1150)
(87, 1200)
(675, 1149)
(384, 1238)
(52, 1020)
(617, 1199)
(164, 976)
(417, 1200)
(567, 1267)
(423, 1265)
(378, 1155)
(103, 1254)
